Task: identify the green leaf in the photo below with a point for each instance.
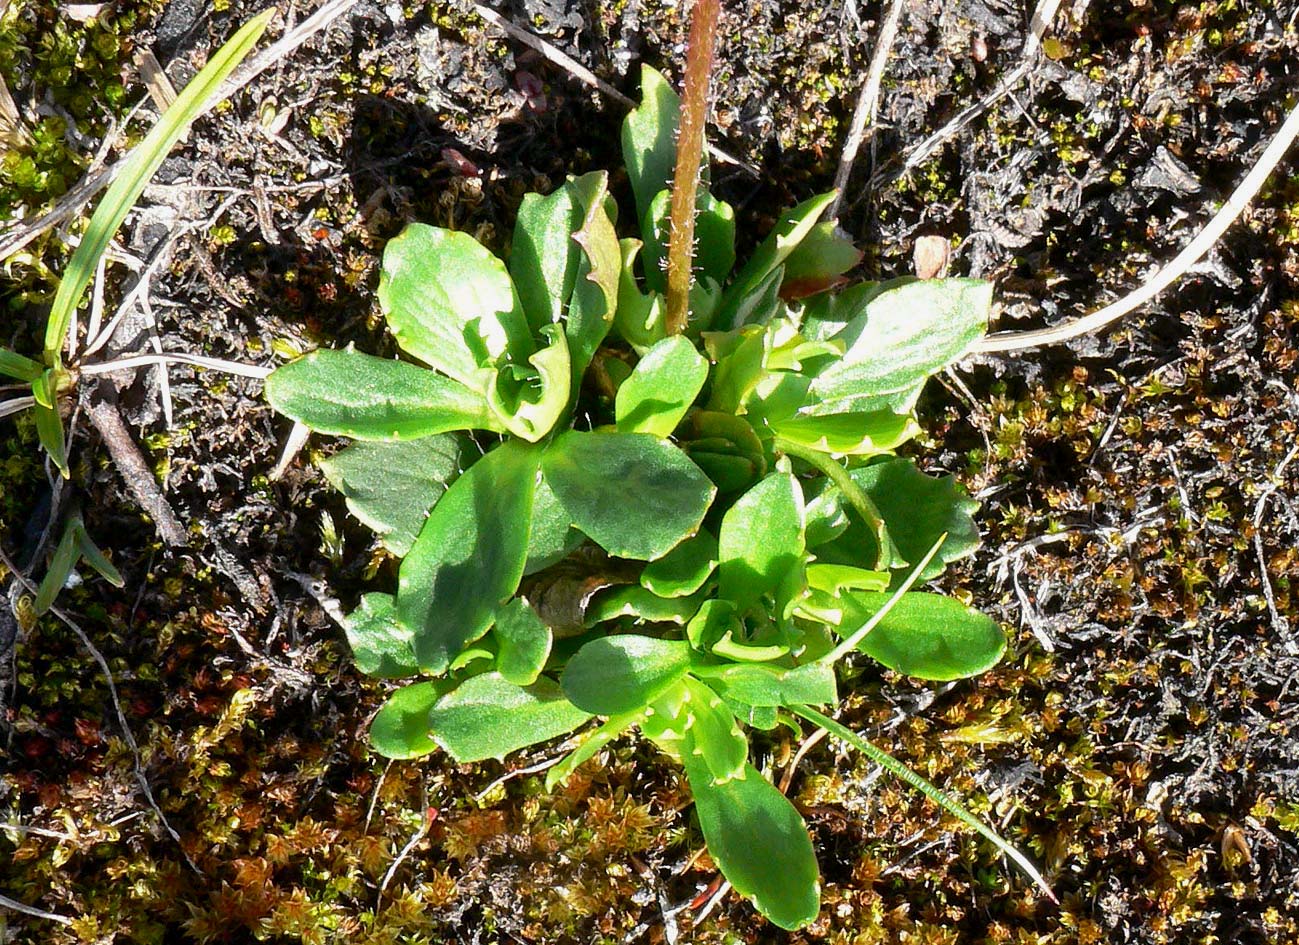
(760, 684)
(13, 364)
(759, 842)
(347, 393)
(835, 578)
(91, 554)
(469, 556)
(903, 334)
(401, 727)
(594, 303)
(62, 562)
(524, 642)
(637, 602)
(714, 734)
(543, 256)
(488, 716)
(916, 509)
(683, 570)
(761, 539)
(381, 646)
(848, 434)
(603, 735)
(661, 388)
(390, 487)
(450, 302)
(640, 318)
(818, 262)
(528, 401)
(714, 620)
(624, 673)
(925, 635)
(649, 145)
(633, 494)
(49, 431)
(790, 230)
(725, 447)
(135, 173)
(553, 536)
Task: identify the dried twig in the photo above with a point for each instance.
(16, 237)
(517, 773)
(426, 824)
(867, 104)
(107, 419)
(552, 54)
(137, 763)
(1163, 278)
(194, 360)
(792, 768)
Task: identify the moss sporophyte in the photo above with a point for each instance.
(631, 482)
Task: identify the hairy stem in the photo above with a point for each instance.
(690, 149)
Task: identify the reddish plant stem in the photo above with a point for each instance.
(690, 148)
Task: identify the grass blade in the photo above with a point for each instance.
(61, 565)
(947, 803)
(848, 645)
(15, 365)
(138, 169)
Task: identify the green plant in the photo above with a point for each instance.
(50, 378)
(681, 508)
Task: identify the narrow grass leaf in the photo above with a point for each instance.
(905, 774)
(144, 161)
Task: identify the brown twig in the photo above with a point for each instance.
(584, 75)
(107, 419)
(918, 154)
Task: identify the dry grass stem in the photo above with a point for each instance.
(867, 104)
(1163, 278)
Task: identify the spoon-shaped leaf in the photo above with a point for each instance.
(347, 393)
(625, 673)
(633, 494)
(928, 636)
(390, 487)
(761, 539)
(488, 716)
(661, 388)
(524, 642)
(684, 569)
(450, 302)
(380, 645)
(469, 556)
(401, 727)
(759, 842)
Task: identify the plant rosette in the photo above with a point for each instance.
(680, 533)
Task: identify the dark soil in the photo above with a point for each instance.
(1141, 741)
